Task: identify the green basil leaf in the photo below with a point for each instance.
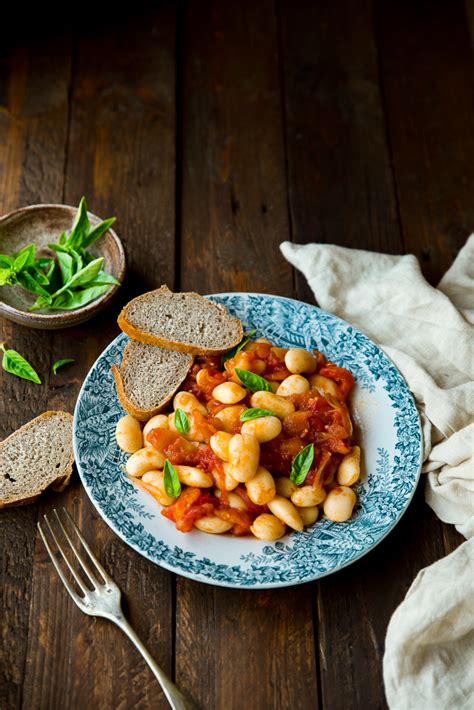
(79, 259)
(25, 257)
(80, 228)
(86, 274)
(66, 264)
(63, 238)
(181, 421)
(15, 364)
(253, 382)
(69, 300)
(238, 348)
(7, 276)
(31, 284)
(301, 464)
(59, 247)
(104, 278)
(60, 301)
(97, 232)
(255, 413)
(5, 261)
(171, 480)
(65, 249)
(60, 363)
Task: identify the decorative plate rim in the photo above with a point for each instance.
(208, 579)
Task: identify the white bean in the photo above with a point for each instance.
(339, 504)
(349, 468)
(202, 376)
(229, 393)
(284, 487)
(129, 434)
(234, 500)
(261, 488)
(286, 512)
(192, 476)
(307, 496)
(279, 406)
(294, 384)
(160, 421)
(298, 360)
(229, 416)
(155, 480)
(230, 483)
(219, 443)
(212, 524)
(324, 385)
(188, 402)
(263, 428)
(267, 527)
(143, 460)
(309, 515)
(244, 454)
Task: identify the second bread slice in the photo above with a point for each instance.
(147, 378)
(186, 322)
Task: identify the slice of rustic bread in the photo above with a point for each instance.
(35, 457)
(186, 322)
(148, 377)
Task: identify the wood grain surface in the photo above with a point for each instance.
(214, 131)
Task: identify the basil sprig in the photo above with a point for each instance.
(171, 480)
(15, 364)
(253, 382)
(70, 279)
(255, 413)
(60, 363)
(234, 351)
(301, 464)
(181, 421)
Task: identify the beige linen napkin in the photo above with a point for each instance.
(427, 332)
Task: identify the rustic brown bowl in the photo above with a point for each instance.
(41, 224)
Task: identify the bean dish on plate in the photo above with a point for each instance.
(258, 440)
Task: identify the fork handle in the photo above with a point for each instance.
(175, 698)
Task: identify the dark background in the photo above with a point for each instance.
(214, 131)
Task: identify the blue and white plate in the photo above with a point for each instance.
(388, 429)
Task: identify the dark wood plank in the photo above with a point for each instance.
(121, 155)
(340, 182)
(469, 4)
(426, 64)
(256, 649)
(234, 203)
(33, 129)
(342, 191)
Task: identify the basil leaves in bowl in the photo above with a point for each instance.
(59, 265)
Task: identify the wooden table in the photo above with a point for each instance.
(214, 131)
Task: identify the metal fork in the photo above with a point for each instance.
(103, 599)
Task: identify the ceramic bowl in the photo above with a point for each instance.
(41, 224)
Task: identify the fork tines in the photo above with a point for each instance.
(89, 565)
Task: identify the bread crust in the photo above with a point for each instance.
(60, 483)
(143, 415)
(144, 337)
